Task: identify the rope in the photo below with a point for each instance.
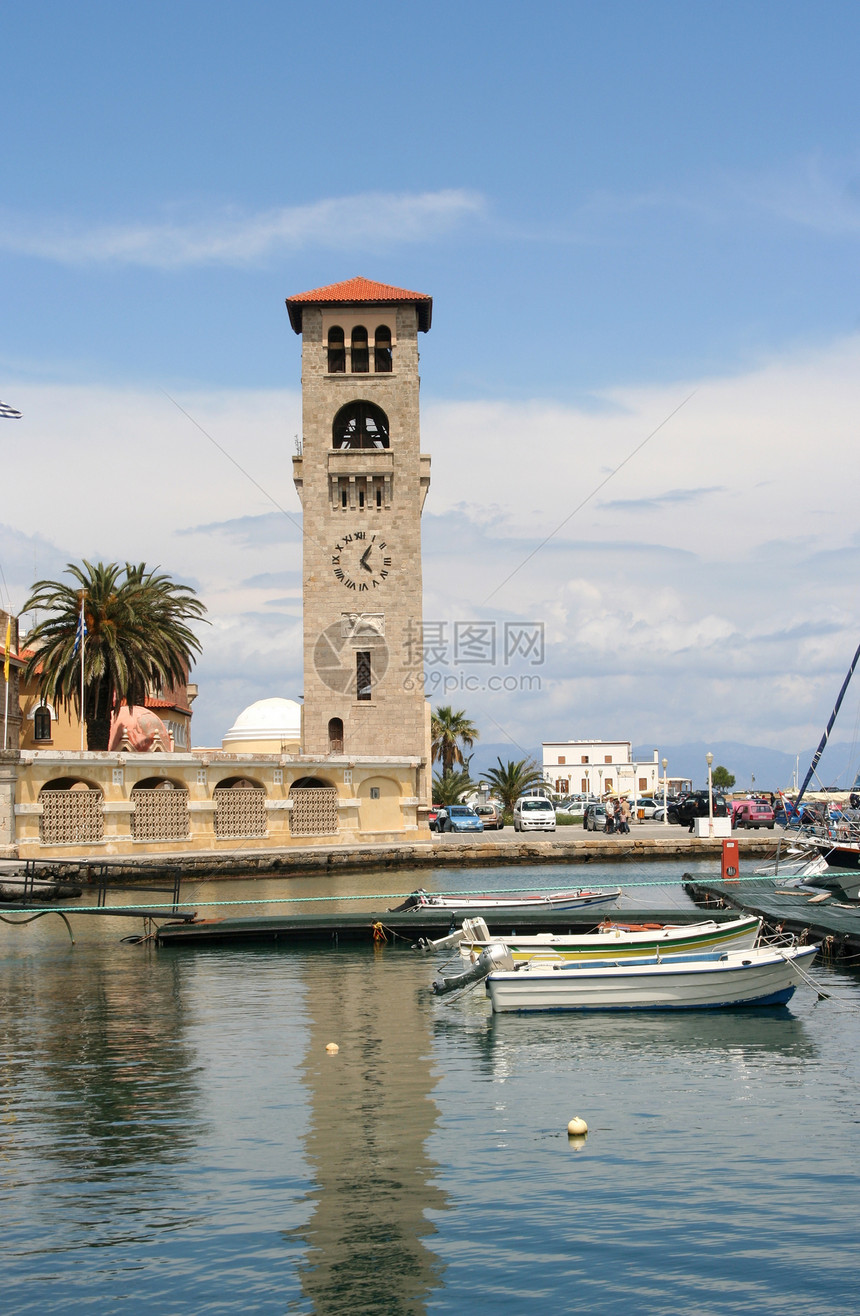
(391, 895)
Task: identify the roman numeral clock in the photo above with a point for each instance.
(362, 480)
(360, 553)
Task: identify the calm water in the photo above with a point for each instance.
(175, 1137)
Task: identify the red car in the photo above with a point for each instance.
(752, 813)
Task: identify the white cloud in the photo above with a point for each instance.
(709, 591)
(366, 221)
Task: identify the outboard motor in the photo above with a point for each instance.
(472, 929)
(496, 956)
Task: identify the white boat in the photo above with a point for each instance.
(765, 975)
(509, 901)
(618, 940)
(713, 980)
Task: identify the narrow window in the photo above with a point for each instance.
(562, 759)
(343, 497)
(361, 498)
(378, 495)
(362, 674)
(336, 351)
(42, 724)
(382, 350)
(335, 736)
(585, 758)
(374, 792)
(360, 351)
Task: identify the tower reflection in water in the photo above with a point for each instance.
(371, 1114)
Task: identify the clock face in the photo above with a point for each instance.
(361, 561)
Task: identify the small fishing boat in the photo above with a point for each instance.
(712, 980)
(621, 941)
(499, 902)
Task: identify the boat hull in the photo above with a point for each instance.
(711, 983)
(469, 904)
(738, 934)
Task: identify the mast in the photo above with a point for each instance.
(817, 755)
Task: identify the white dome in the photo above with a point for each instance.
(268, 719)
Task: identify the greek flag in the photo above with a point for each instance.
(81, 633)
(9, 412)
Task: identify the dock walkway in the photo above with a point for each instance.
(401, 927)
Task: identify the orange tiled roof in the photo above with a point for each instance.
(357, 291)
(150, 702)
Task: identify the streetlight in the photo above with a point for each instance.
(710, 758)
(665, 808)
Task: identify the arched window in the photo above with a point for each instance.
(382, 350)
(336, 351)
(360, 351)
(360, 425)
(335, 735)
(42, 723)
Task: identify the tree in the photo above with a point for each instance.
(450, 733)
(722, 778)
(510, 780)
(450, 789)
(137, 639)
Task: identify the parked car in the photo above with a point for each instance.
(695, 805)
(459, 818)
(534, 813)
(646, 804)
(490, 815)
(576, 803)
(433, 817)
(752, 813)
(594, 818)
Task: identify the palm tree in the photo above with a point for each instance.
(450, 733)
(510, 780)
(451, 789)
(137, 639)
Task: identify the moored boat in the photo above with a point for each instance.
(709, 981)
(499, 902)
(621, 941)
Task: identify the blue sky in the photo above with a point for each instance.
(614, 207)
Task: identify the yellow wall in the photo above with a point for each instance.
(394, 815)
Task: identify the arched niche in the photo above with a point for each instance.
(360, 424)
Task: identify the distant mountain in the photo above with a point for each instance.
(772, 769)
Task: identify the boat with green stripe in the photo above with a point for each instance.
(615, 939)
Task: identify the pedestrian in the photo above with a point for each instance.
(610, 815)
(624, 811)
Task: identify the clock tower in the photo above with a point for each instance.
(362, 481)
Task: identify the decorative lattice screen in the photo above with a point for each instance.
(314, 811)
(70, 817)
(159, 815)
(240, 811)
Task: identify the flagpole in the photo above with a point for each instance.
(6, 681)
(83, 634)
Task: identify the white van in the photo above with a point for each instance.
(533, 813)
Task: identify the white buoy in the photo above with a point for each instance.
(332, 1048)
(577, 1127)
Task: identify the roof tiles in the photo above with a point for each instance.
(357, 291)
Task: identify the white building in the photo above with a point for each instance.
(598, 767)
